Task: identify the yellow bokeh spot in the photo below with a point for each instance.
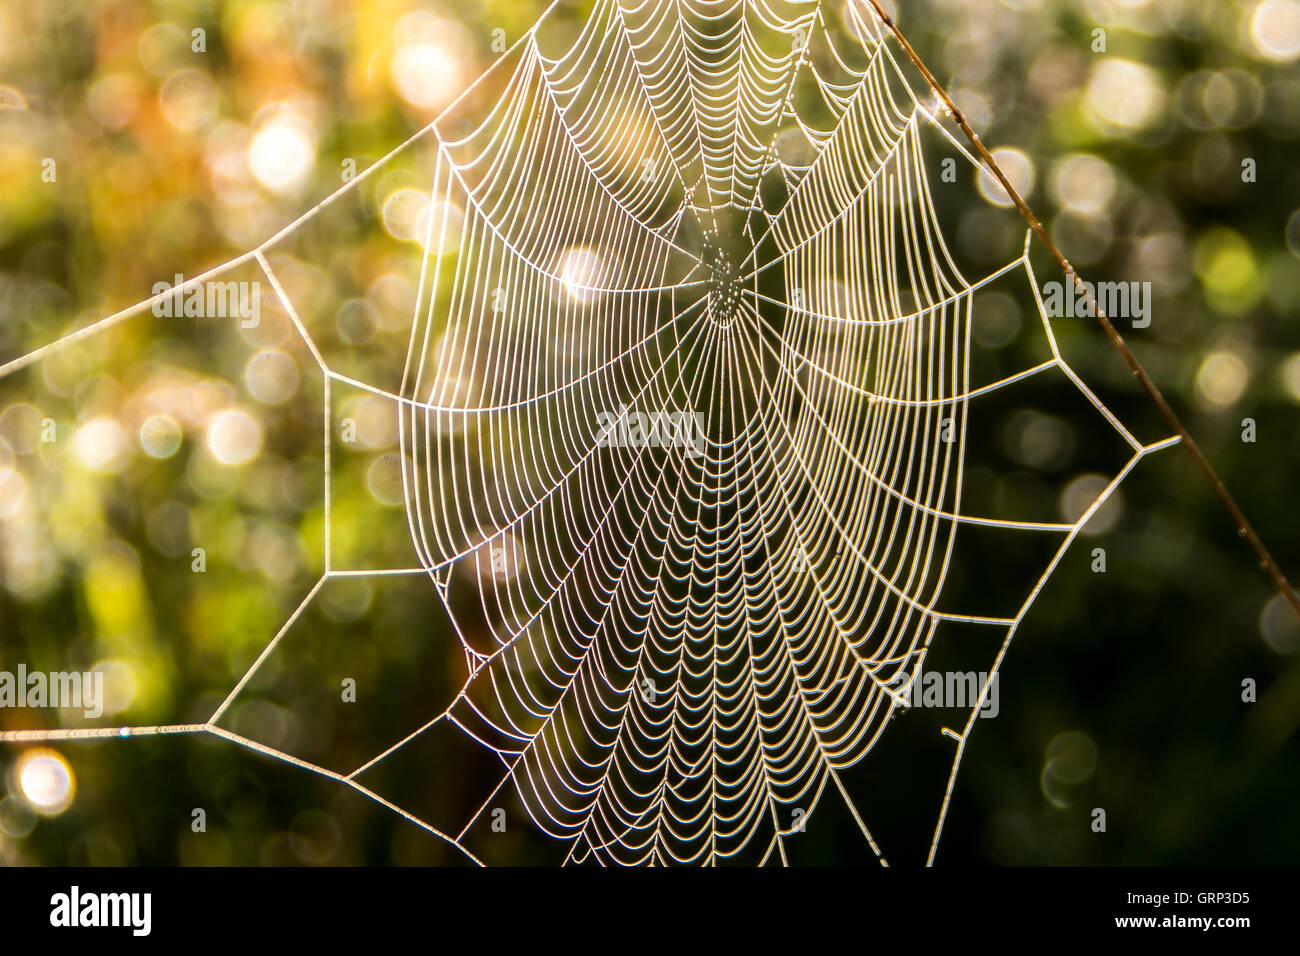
(46, 781)
(1228, 270)
(1222, 378)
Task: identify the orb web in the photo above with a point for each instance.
(684, 425)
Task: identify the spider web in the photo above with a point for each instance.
(721, 211)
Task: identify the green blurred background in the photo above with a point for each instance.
(1122, 691)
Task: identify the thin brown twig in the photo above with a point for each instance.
(1244, 528)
